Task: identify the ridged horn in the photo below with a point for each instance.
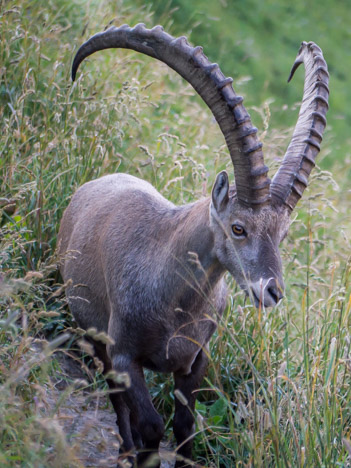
(291, 178)
(252, 183)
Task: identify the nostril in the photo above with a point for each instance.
(276, 293)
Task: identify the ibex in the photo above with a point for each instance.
(151, 274)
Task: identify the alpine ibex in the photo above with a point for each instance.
(151, 274)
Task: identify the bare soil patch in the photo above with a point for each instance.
(88, 420)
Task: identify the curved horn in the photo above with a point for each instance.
(291, 178)
(252, 183)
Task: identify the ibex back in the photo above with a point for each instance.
(151, 274)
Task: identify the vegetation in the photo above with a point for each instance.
(277, 391)
(255, 43)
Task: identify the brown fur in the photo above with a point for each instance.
(150, 274)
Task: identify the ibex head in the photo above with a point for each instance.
(247, 242)
(249, 220)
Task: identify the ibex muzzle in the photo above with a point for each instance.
(151, 274)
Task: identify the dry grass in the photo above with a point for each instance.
(278, 389)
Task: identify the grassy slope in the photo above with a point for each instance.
(278, 380)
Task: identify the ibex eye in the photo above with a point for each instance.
(238, 230)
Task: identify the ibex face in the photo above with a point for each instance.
(247, 243)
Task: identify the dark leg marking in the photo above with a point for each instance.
(146, 421)
(183, 423)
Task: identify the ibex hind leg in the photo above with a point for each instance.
(125, 422)
(183, 423)
(146, 421)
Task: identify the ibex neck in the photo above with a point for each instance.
(192, 244)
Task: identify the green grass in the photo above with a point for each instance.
(256, 43)
(277, 391)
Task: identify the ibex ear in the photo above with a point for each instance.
(220, 191)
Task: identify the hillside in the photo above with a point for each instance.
(277, 391)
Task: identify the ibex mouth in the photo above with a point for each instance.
(266, 293)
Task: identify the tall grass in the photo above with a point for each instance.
(255, 42)
(277, 391)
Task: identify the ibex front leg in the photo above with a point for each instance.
(145, 418)
(184, 424)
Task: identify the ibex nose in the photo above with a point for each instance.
(275, 290)
(267, 292)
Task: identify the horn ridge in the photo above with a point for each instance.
(213, 87)
(287, 186)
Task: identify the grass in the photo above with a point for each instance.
(277, 391)
(256, 42)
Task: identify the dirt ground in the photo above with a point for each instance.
(89, 421)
